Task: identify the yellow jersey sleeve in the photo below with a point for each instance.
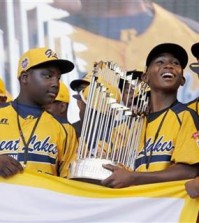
(69, 153)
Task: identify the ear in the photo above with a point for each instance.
(24, 77)
(144, 77)
(183, 80)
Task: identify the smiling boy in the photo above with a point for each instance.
(167, 150)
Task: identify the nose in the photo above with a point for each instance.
(169, 65)
(171, 62)
(55, 81)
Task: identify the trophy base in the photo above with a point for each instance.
(90, 170)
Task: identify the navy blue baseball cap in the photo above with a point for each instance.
(195, 50)
(136, 74)
(172, 48)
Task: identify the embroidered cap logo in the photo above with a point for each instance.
(24, 63)
(49, 53)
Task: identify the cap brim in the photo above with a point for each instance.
(135, 75)
(195, 50)
(194, 67)
(65, 66)
(79, 84)
(77, 97)
(175, 49)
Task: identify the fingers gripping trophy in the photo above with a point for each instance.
(116, 103)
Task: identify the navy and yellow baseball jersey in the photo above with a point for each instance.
(167, 139)
(48, 145)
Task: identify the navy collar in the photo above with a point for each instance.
(27, 110)
(61, 119)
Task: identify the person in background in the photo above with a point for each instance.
(166, 153)
(30, 137)
(192, 186)
(194, 104)
(59, 109)
(3, 94)
(78, 85)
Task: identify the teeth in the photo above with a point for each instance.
(167, 75)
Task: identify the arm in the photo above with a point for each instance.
(9, 166)
(192, 188)
(70, 152)
(123, 178)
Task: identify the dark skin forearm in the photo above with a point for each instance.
(174, 172)
(192, 187)
(123, 178)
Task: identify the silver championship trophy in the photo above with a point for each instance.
(116, 104)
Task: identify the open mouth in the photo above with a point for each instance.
(168, 75)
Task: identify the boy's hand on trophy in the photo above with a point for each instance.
(119, 178)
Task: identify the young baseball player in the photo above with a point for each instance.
(59, 109)
(3, 93)
(168, 151)
(195, 68)
(30, 137)
(192, 186)
(78, 85)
